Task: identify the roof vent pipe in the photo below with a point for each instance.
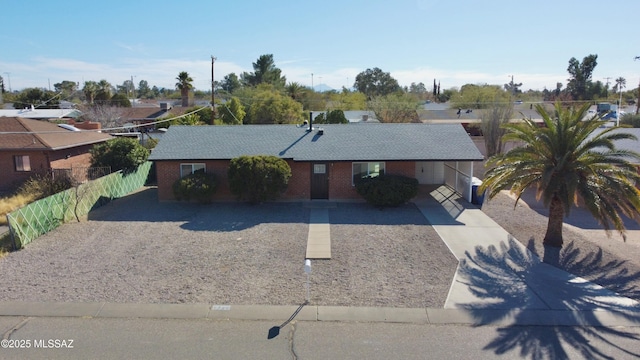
(310, 121)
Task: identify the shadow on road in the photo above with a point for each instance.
(275, 331)
(507, 282)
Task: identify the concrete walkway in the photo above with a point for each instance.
(319, 239)
(496, 272)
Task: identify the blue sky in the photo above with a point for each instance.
(455, 41)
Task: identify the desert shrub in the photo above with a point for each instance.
(258, 178)
(387, 190)
(198, 186)
(43, 185)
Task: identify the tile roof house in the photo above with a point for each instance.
(324, 160)
(31, 146)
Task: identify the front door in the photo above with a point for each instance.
(319, 181)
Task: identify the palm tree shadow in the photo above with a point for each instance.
(513, 286)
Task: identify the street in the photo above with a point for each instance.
(104, 338)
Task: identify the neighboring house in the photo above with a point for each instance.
(41, 114)
(30, 146)
(325, 160)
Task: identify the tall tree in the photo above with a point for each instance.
(569, 161)
(38, 98)
(90, 90)
(264, 71)
(104, 91)
(66, 88)
(375, 82)
(621, 83)
(144, 91)
(231, 83)
(578, 84)
(184, 84)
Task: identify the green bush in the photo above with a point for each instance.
(198, 186)
(387, 190)
(258, 178)
(120, 154)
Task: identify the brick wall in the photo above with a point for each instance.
(299, 184)
(10, 177)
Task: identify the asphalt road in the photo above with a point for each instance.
(206, 339)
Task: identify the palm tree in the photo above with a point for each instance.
(90, 89)
(184, 85)
(295, 90)
(569, 161)
(621, 83)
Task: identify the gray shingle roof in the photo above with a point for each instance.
(345, 142)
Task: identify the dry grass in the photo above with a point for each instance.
(11, 203)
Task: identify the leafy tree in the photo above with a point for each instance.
(395, 108)
(271, 107)
(144, 91)
(473, 96)
(580, 79)
(332, 117)
(348, 100)
(258, 178)
(231, 83)
(264, 71)
(569, 161)
(90, 90)
(232, 112)
(66, 88)
(312, 100)
(2, 89)
(120, 100)
(43, 99)
(375, 82)
(120, 154)
(492, 121)
(184, 84)
(201, 115)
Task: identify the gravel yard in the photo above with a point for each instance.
(136, 250)
(587, 251)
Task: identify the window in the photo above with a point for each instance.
(366, 169)
(22, 162)
(319, 168)
(188, 169)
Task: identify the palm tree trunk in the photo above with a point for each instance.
(553, 237)
(185, 98)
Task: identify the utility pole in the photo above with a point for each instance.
(213, 90)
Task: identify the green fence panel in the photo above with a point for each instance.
(44, 215)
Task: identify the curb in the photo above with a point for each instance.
(426, 316)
